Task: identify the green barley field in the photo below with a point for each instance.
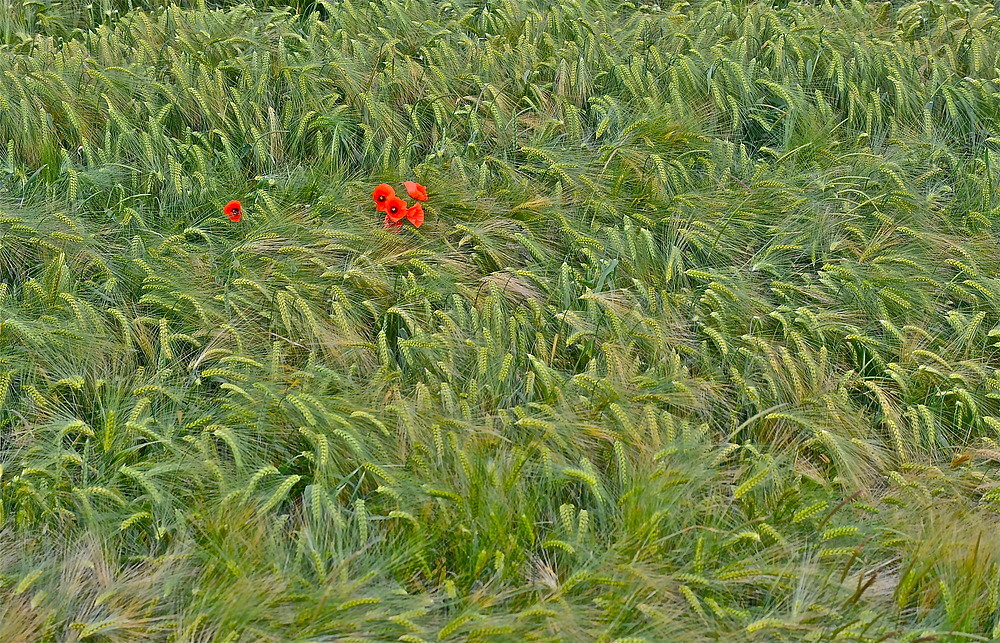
(699, 339)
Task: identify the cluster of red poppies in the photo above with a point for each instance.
(386, 201)
(395, 208)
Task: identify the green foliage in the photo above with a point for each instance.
(697, 341)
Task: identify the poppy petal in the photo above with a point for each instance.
(395, 208)
(234, 210)
(393, 226)
(416, 191)
(381, 196)
(416, 215)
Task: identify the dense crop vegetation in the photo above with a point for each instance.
(698, 340)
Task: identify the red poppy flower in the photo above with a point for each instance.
(382, 194)
(416, 191)
(395, 208)
(234, 210)
(415, 215)
(394, 226)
